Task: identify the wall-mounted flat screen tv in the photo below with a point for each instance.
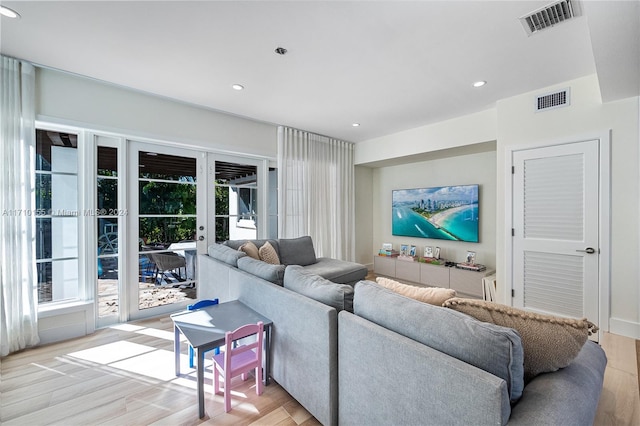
(443, 212)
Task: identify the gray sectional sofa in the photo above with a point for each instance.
(368, 356)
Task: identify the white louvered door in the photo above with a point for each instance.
(555, 218)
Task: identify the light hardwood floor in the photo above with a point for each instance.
(123, 375)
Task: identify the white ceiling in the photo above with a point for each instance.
(389, 65)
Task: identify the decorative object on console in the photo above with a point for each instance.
(387, 246)
(412, 251)
(436, 252)
(406, 258)
(549, 342)
(471, 266)
(389, 253)
(432, 295)
(447, 213)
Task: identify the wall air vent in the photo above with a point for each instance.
(558, 99)
(549, 16)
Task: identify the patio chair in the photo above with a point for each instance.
(165, 262)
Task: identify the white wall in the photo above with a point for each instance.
(479, 168)
(514, 123)
(364, 215)
(70, 99)
(462, 131)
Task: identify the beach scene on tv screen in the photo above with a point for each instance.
(445, 212)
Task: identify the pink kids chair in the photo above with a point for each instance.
(239, 360)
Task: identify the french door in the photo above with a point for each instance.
(166, 227)
(556, 245)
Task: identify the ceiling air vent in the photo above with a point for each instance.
(553, 100)
(549, 16)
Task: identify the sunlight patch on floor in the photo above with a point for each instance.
(161, 334)
(157, 364)
(126, 327)
(112, 352)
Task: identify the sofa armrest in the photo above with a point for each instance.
(566, 397)
(385, 378)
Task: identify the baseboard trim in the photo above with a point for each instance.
(624, 328)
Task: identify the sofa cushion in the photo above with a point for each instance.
(268, 254)
(266, 271)
(338, 271)
(225, 254)
(549, 342)
(250, 249)
(432, 295)
(339, 296)
(297, 251)
(495, 349)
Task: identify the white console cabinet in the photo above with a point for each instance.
(465, 283)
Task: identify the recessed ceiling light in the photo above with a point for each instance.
(238, 87)
(9, 13)
(479, 83)
(356, 124)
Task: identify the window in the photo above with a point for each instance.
(236, 201)
(56, 201)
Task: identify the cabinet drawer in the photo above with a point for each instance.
(384, 266)
(467, 282)
(408, 271)
(434, 275)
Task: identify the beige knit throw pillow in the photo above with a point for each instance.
(431, 295)
(268, 254)
(549, 342)
(250, 248)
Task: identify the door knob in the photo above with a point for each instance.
(588, 250)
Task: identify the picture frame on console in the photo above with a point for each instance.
(404, 249)
(471, 257)
(436, 253)
(412, 251)
(428, 251)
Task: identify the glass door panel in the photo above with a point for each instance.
(236, 201)
(166, 227)
(108, 216)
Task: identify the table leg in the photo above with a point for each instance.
(200, 381)
(267, 356)
(176, 348)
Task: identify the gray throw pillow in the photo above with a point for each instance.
(297, 251)
(339, 296)
(264, 270)
(492, 348)
(225, 254)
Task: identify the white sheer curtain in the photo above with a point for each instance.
(18, 313)
(316, 191)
